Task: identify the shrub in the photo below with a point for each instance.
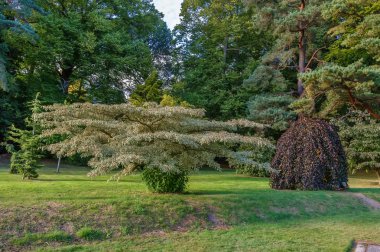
(309, 156)
(165, 182)
(90, 234)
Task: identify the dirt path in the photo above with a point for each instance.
(367, 201)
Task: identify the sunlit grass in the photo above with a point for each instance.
(220, 211)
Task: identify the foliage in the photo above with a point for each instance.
(172, 139)
(352, 75)
(266, 79)
(264, 155)
(25, 160)
(171, 101)
(215, 53)
(270, 103)
(25, 163)
(165, 182)
(252, 171)
(299, 33)
(309, 156)
(12, 16)
(82, 54)
(271, 109)
(150, 91)
(360, 135)
(89, 234)
(332, 88)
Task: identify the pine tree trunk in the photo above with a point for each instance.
(302, 53)
(378, 176)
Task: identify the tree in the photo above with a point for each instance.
(270, 102)
(352, 80)
(299, 33)
(12, 16)
(217, 48)
(310, 156)
(25, 159)
(300, 38)
(150, 91)
(360, 135)
(165, 139)
(332, 88)
(97, 48)
(12, 20)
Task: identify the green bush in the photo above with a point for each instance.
(90, 234)
(165, 182)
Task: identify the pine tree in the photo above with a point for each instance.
(360, 135)
(352, 80)
(298, 27)
(25, 159)
(150, 91)
(170, 139)
(270, 102)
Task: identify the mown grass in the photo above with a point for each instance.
(220, 211)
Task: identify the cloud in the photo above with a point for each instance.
(171, 10)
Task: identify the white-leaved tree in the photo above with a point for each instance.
(167, 140)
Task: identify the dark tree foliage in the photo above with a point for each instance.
(310, 156)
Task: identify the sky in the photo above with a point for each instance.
(171, 9)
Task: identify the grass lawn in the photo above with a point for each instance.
(220, 212)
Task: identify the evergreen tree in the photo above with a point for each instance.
(150, 91)
(270, 103)
(25, 159)
(360, 136)
(353, 80)
(299, 30)
(171, 139)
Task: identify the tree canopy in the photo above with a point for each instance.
(171, 139)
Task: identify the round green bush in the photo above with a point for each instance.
(165, 182)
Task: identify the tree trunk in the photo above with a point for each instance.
(65, 79)
(301, 52)
(378, 176)
(58, 165)
(225, 48)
